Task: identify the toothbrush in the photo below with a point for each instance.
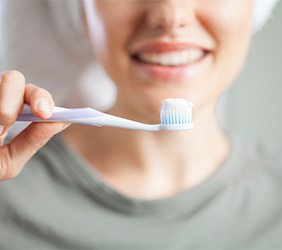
(175, 114)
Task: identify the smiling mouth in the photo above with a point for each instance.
(172, 58)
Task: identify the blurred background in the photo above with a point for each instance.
(252, 107)
(254, 103)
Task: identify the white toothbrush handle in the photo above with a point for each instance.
(85, 116)
(80, 115)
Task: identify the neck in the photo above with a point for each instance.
(153, 164)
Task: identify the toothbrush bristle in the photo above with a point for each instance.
(176, 111)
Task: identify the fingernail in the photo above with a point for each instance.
(1, 129)
(43, 106)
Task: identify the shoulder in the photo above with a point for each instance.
(265, 157)
(43, 170)
(260, 165)
(256, 154)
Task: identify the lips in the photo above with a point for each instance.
(171, 60)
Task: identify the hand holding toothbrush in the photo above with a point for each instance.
(13, 93)
(48, 120)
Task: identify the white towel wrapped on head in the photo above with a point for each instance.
(262, 12)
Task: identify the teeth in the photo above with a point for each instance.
(173, 58)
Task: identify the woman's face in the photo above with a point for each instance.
(155, 49)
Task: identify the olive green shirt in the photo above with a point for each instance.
(60, 202)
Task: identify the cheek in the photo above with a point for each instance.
(226, 17)
(230, 23)
(116, 29)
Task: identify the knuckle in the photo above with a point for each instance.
(46, 131)
(6, 116)
(34, 93)
(44, 92)
(38, 92)
(3, 138)
(3, 171)
(13, 75)
(11, 173)
(7, 170)
(32, 141)
(39, 138)
(30, 88)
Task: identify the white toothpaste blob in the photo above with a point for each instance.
(176, 111)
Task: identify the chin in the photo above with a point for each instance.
(151, 91)
(148, 105)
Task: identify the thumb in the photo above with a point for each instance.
(15, 154)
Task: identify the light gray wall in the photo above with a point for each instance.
(254, 106)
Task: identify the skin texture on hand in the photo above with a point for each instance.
(15, 154)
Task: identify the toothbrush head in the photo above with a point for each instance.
(176, 114)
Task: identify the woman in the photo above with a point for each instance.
(108, 188)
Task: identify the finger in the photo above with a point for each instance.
(2, 138)
(40, 100)
(12, 86)
(14, 155)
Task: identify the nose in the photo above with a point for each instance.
(170, 15)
